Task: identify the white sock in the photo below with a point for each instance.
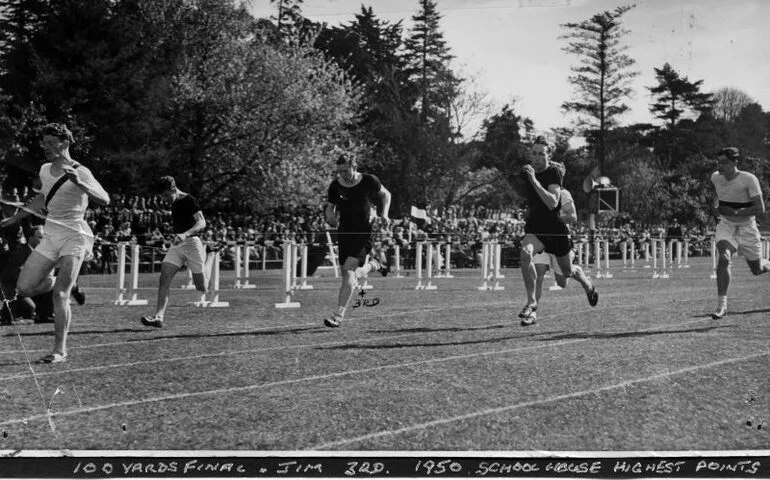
(341, 311)
(723, 301)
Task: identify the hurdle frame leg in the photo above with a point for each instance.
(303, 269)
(288, 266)
(134, 299)
(212, 284)
(484, 267)
(429, 268)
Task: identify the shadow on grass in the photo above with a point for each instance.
(730, 312)
(446, 329)
(601, 336)
(82, 332)
(189, 335)
(354, 346)
(238, 334)
(749, 312)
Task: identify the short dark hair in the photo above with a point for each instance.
(541, 140)
(345, 159)
(58, 130)
(730, 152)
(164, 184)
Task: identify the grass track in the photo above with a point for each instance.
(449, 369)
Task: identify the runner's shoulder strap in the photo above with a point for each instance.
(57, 186)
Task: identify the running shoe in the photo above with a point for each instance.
(531, 319)
(152, 321)
(719, 313)
(527, 311)
(384, 267)
(333, 320)
(593, 296)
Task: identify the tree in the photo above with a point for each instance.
(728, 103)
(190, 87)
(254, 121)
(675, 96)
(602, 80)
(434, 87)
(428, 57)
(291, 27)
(368, 50)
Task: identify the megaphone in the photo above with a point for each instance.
(590, 183)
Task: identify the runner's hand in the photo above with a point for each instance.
(72, 174)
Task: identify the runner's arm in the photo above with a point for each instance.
(33, 207)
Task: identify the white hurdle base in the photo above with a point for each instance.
(242, 260)
(212, 265)
(134, 300)
(490, 267)
(289, 275)
(428, 267)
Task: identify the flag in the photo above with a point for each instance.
(420, 214)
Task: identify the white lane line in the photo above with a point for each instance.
(555, 398)
(221, 391)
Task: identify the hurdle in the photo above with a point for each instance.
(675, 244)
(647, 254)
(490, 267)
(303, 269)
(428, 266)
(289, 271)
(242, 260)
(397, 262)
(583, 260)
(212, 267)
(713, 258)
(598, 250)
(134, 300)
(498, 257)
(628, 265)
(659, 242)
(447, 259)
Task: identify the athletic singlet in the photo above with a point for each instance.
(736, 193)
(541, 215)
(355, 203)
(67, 208)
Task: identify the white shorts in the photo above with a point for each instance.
(190, 252)
(549, 259)
(745, 239)
(544, 258)
(57, 244)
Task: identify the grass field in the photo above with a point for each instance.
(451, 369)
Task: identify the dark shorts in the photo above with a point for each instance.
(356, 245)
(554, 236)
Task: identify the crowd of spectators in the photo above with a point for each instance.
(147, 222)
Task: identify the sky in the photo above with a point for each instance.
(512, 49)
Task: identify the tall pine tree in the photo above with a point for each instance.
(435, 86)
(602, 79)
